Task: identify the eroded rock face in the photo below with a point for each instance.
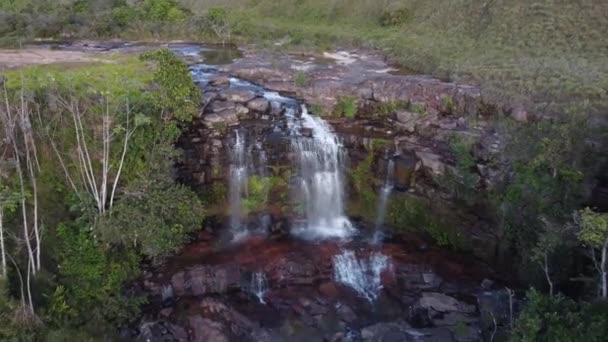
(304, 302)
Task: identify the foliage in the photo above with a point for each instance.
(462, 180)
(560, 319)
(156, 218)
(301, 79)
(93, 279)
(176, 93)
(257, 193)
(394, 16)
(594, 228)
(346, 106)
(163, 10)
(217, 19)
(390, 107)
(409, 213)
(363, 181)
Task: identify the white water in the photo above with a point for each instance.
(319, 188)
(385, 192)
(259, 286)
(363, 276)
(237, 184)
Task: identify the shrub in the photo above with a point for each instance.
(394, 16)
(93, 279)
(555, 319)
(156, 219)
(300, 79)
(176, 93)
(346, 106)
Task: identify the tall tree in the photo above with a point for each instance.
(594, 233)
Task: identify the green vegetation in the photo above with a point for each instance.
(176, 93)
(462, 180)
(560, 319)
(93, 187)
(345, 106)
(300, 79)
(257, 193)
(410, 213)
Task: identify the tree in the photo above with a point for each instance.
(18, 132)
(594, 233)
(8, 203)
(549, 241)
(176, 95)
(217, 17)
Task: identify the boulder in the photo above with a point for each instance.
(238, 95)
(443, 303)
(205, 330)
(431, 162)
(241, 111)
(219, 106)
(386, 331)
(229, 116)
(405, 167)
(205, 279)
(219, 81)
(259, 105)
(406, 120)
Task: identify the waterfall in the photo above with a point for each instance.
(319, 187)
(237, 185)
(363, 276)
(167, 292)
(385, 192)
(259, 285)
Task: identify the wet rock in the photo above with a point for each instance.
(201, 280)
(407, 120)
(328, 290)
(432, 335)
(208, 97)
(276, 108)
(229, 116)
(219, 81)
(238, 95)
(205, 330)
(452, 318)
(431, 162)
(345, 313)
(166, 312)
(405, 167)
(487, 284)
(259, 105)
(241, 111)
(443, 303)
(386, 331)
(219, 106)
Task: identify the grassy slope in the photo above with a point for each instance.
(552, 51)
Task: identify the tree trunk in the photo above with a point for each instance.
(604, 272)
(2, 250)
(546, 269)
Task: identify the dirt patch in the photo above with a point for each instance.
(10, 59)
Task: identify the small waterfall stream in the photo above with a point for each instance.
(237, 184)
(259, 286)
(385, 192)
(363, 276)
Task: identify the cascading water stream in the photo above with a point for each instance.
(363, 276)
(259, 286)
(385, 192)
(237, 184)
(319, 159)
